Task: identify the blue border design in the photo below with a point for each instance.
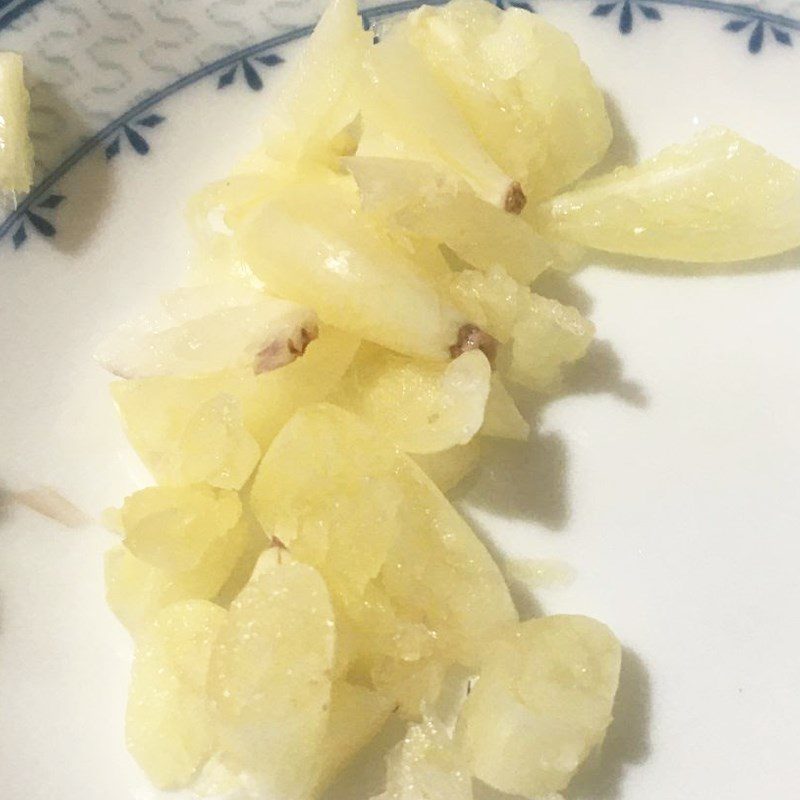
(16, 11)
(122, 125)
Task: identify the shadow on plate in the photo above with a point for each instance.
(522, 480)
(529, 480)
(788, 261)
(89, 193)
(522, 593)
(7, 500)
(56, 130)
(365, 777)
(559, 286)
(623, 151)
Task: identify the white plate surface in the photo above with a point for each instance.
(668, 476)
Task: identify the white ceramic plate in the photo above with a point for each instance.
(667, 477)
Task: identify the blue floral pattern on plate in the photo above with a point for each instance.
(757, 29)
(626, 13)
(250, 73)
(37, 222)
(136, 140)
